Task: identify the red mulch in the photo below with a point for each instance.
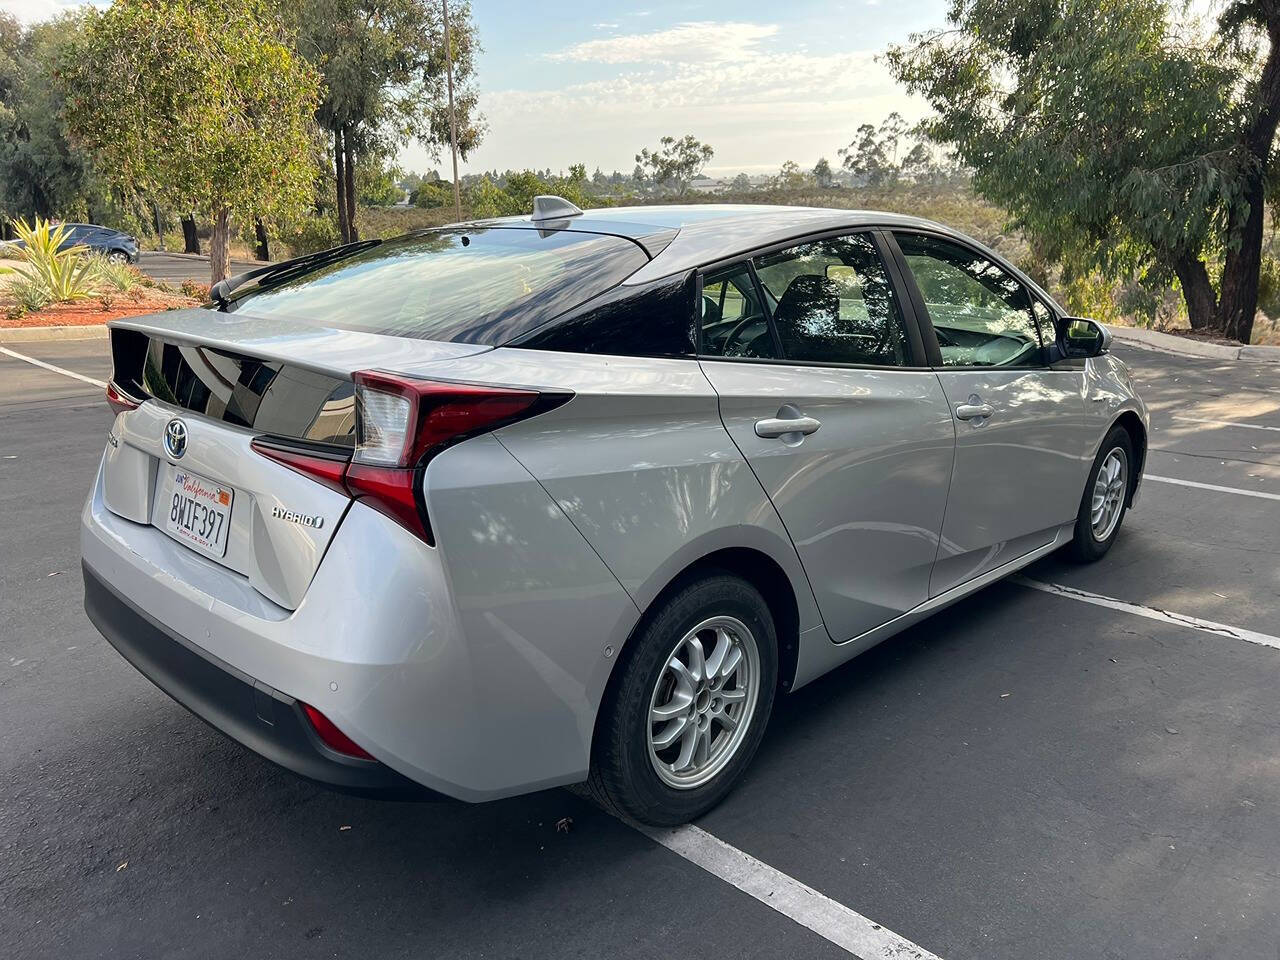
(89, 312)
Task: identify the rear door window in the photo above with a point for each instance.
(833, 302)
(484, 285)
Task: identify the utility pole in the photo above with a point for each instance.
(453, 123)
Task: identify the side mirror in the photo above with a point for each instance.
(1080, 337)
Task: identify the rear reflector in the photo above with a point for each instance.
(331, 736)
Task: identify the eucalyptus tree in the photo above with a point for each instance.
(383, 63)
(1123, 134)
(676, 161)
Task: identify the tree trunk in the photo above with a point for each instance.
(352, 229)
(260, 231)
(190, 239)
(1197, 291)
(220, 246)
(340, 174)
(1243, 262)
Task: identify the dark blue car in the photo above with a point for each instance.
(112, 244)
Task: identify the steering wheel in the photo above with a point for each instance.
(736, 332)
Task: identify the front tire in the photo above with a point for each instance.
(1106, 497)
(689, 709)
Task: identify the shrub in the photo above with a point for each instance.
(115, 277)
(63, 274)
(196, 291)
(29, 296)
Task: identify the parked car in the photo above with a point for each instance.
(535, 501)
(113, 244)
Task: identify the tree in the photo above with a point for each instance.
(675, 161)
(867, 157)
(741, 184)
(383, 63)
(41, 173)
(1120, 137)
(791, 177)
(822, 173)
(215, 118)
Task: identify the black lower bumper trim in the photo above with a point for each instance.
(247, 710)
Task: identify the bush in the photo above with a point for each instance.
(29, 296)
(116, 277)
(61, 274)
(196, 291)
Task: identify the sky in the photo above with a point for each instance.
(567, 82)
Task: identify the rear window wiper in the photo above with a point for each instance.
(275, 273)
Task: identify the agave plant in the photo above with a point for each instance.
(64, 274)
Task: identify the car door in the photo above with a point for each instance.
(824, 389)
(1020, 430)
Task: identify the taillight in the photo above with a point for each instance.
(119, 402)
(401, 423)
(331, 736)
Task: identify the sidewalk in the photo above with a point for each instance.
(1185, 346)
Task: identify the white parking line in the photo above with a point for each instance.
(49, 366)
(1213, 486)
(1152, 613)
(830, 920)
(1226, 423)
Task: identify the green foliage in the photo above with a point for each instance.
(514, 197)
(41, 173)
(433, 194)
(1103, 127)
(675, 162)
(213, 112)
(61, 274)
(29, 296)
(117, 277)
(377, 185)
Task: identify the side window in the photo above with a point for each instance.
(733, 320)
(653, 320)
(833, 303)
(980, 312)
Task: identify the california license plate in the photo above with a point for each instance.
(199, 511)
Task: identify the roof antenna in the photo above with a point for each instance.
(554, 208)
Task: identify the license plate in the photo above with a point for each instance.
(199, 511)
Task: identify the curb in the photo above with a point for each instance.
(1185, 347)
(96, 331)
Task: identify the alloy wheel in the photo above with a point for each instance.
(703, 701)
(1108, 494)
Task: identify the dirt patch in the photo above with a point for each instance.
(99, 310)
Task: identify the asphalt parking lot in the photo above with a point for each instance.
(174, 268)
(1092, 772)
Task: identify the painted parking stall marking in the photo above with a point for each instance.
(832, 921)
(1226, 423)
(55, 369)
(1151, 613)
(1260, 494)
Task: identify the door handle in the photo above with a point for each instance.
(780, 427)
(973, 411)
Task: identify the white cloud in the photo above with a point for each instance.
(685, 42)
(31, 11)
(757, 107)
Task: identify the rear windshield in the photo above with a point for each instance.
(471, 286)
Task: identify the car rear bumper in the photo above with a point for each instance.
(478, 677)
(247, 710)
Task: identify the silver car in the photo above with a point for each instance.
(572, 497)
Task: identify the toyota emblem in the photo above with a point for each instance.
(175, 439)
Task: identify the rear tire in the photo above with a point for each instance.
(1105, 499)
(689, 709)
